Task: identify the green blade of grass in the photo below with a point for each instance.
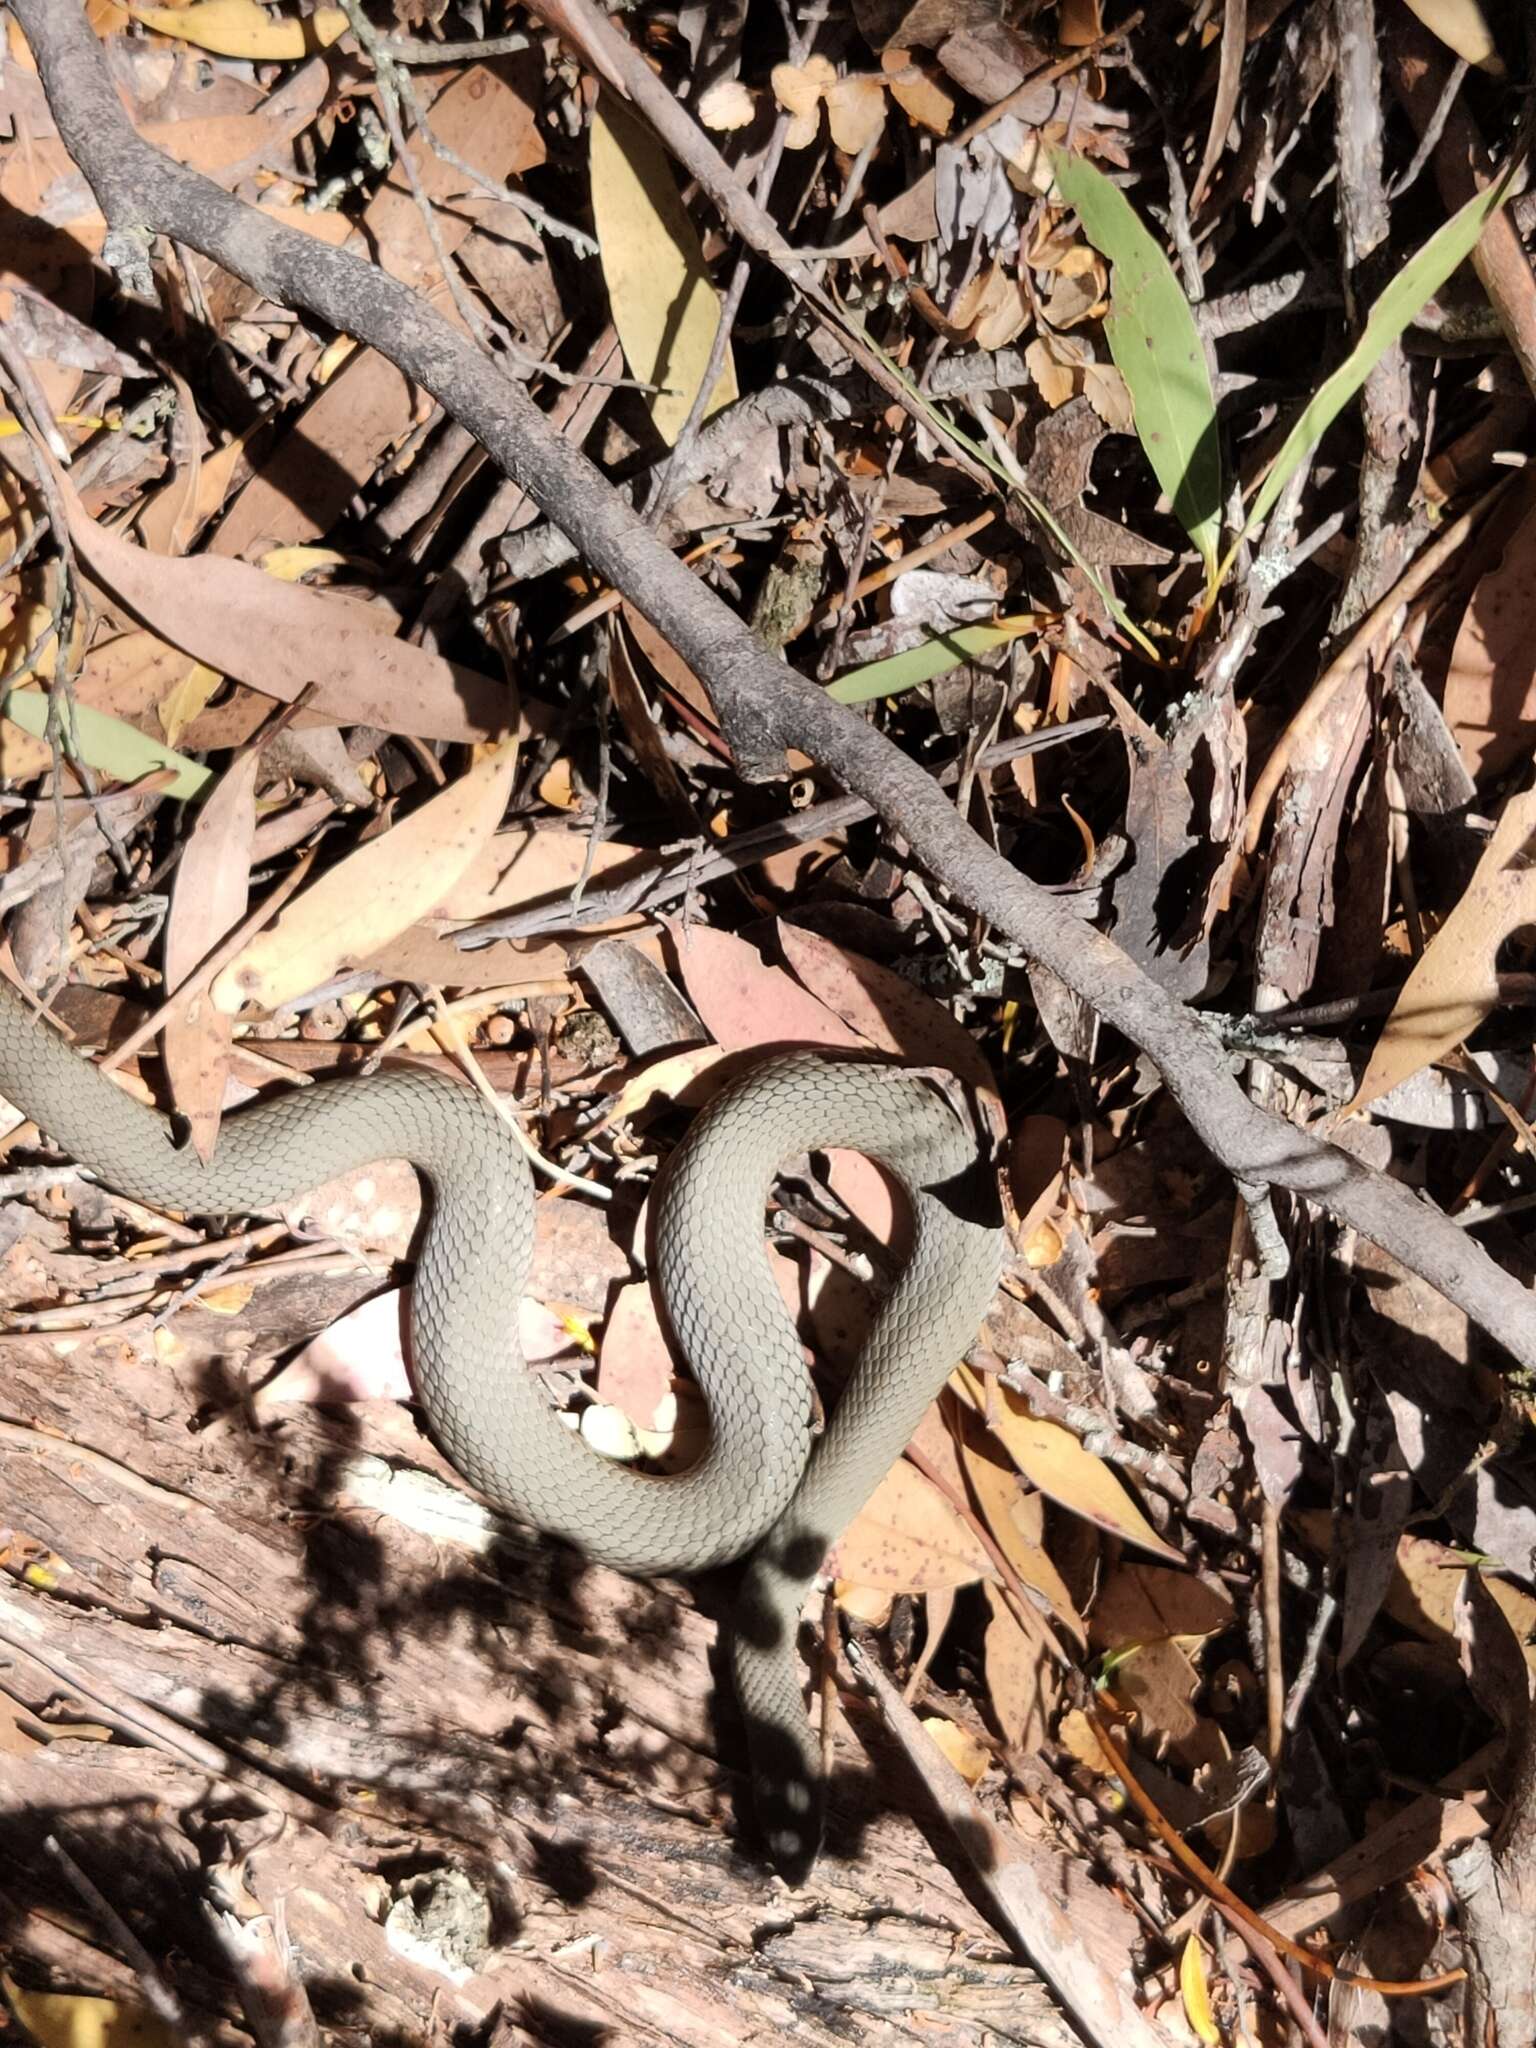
(111, 745)
(1410, 290)
(928, 659)
(924, 406)
(1157, 349)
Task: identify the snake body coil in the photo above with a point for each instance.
(754, 1490)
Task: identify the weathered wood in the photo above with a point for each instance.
(290, 1700)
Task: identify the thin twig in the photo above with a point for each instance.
(158, 1995)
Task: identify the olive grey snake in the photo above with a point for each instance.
(753, 1491)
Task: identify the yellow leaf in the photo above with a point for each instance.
(292, 563)
(341, 350)
(1051, 1458)
(193, 694)
(57, 2019)
(968, 1756)
(241, 28)
(1455, 984)
(577, 1327)
(864, 1603)
(374, 894)
(1079, 1738)
(90, 421)
(1462, 27)
(556, 787)
(673, 1077)
(1196, 1993)
(1015, 1520)
(663, 304)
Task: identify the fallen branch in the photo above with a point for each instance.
(764, 706)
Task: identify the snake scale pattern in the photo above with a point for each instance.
(760, 1492)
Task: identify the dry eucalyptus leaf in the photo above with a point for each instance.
(208, 899)
(1105, 390)
(1423, 1592)
(1021, 1673)
(374, 894)
(1052, 1458)
(526, 866)
(1490, 686)
(909, 1539)
(241, 28)
(1455, 984)
(1080, 23)
(1015, 1518)
(282, 638)
(1024, 155)
(885, 1009)
(1076, 294)
(665, 308)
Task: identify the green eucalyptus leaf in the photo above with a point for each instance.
(930, 658)
(1408, 293)
(1158, 351)
(111, 745)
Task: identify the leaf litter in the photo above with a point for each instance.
(1098, 496)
